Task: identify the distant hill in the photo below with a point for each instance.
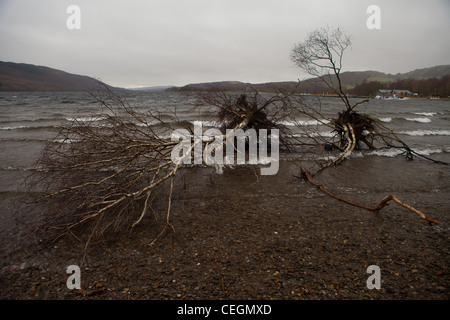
(151, 89)
(426, 73)
(28, 77)
(213, 86)
(349, 80)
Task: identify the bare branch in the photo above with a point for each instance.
(322, 53)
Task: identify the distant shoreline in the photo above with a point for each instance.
(23, 77)
(193, 91)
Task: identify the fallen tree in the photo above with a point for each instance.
(321, 56)
(247, 110)
(106, 174)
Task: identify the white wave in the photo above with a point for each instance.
(148, 123)
(21, 119)
(422, 120)
(386, 152)
(105, 125)
(329, 134)
(395, 152)
(15, 168)
(429, 151)
(13, 128)
(325, 134)
(176, 135)
(421, 133)
(205, 123)
(385, 119)
(87, 119)
(67, 141)
(427, 114)
(288, 123)
(325, 158)
(356, 154)
(304, 122)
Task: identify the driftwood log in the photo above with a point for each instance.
(384, 202)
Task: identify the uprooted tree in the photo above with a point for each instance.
(321, 56)
(107, 176)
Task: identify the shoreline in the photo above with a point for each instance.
(242, 237)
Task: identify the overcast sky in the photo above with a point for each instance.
(175, 42)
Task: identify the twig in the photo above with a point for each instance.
(168, 224)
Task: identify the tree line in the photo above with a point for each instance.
(423, 87)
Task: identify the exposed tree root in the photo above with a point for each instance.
(354, 130)
(350, 141)
(384, 202)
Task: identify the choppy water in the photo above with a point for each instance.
(29, 120)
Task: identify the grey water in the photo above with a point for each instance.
(29, 120)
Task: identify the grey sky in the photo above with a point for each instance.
(159, 42)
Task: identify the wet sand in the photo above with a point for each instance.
(244, 236)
